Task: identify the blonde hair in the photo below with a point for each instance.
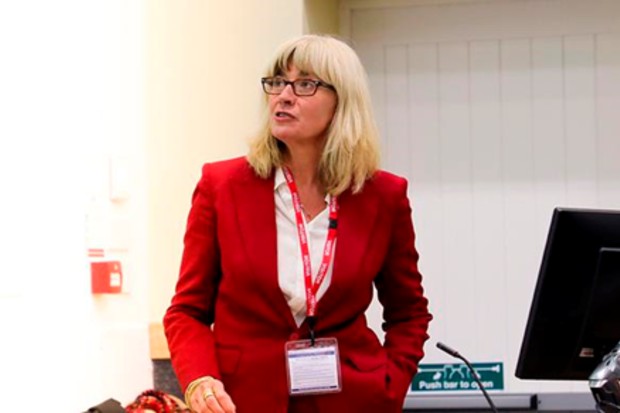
(351, 152)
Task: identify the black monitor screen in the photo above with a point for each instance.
(574, 318)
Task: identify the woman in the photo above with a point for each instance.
(282, 249)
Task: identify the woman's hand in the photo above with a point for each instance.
(210, 397)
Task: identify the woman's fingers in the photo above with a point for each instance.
(223, 398)
(210, 397)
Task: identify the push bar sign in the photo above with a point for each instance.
(457, 377)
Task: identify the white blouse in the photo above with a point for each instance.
(290, 267)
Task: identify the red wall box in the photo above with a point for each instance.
(106, 277)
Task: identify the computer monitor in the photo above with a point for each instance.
(574, 318)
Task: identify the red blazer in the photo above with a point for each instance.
(229, 318)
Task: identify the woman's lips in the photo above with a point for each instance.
(281, 115)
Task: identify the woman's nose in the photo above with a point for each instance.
(288, 94)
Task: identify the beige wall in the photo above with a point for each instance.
(321, 16)
(204, 61)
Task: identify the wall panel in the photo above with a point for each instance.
(496, 112)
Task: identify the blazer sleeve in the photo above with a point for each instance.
(399, 287)
(188, 320)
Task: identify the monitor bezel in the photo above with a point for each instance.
(565, 360)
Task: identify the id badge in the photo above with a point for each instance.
(313, 370)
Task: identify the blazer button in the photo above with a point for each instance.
(294, 336)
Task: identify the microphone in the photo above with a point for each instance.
(457, 355)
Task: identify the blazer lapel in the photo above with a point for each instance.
(254, 206)
(356, 219)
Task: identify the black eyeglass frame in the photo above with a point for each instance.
(316, 83)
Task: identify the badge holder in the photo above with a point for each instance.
(313, 369)
(313, 366)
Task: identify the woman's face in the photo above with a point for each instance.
(301, 120)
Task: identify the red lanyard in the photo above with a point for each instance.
(328, 250)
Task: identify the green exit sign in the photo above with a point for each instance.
(453, 377)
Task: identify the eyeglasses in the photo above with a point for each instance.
(301, 87)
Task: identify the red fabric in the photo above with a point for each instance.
(155, 401)
(229, 276)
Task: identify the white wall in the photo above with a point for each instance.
(496, 111)
(72, 97)
(158, 86)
